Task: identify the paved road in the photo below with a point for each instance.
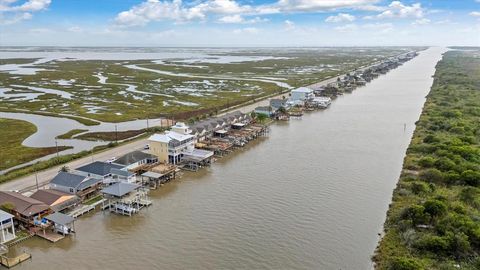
(28, 183)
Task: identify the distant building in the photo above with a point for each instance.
(301, 94)
(206, 128)
(265, 110)
(276, 104)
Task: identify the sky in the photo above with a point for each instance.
(239, 23)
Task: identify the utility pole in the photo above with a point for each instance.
(56, 146)
(36, 179)
(116, 134)
(147, 123)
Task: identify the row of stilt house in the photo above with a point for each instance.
(121, 185)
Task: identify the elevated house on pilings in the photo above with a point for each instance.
(158, 174)
(7, 227)
(63, 224)
(197, 159)
(125, 198)
(205, 129)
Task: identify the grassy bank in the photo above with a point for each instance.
(12, 152)
(85, 121)
(71, 133)
(46, 164)
(434, 219)
(110, 135)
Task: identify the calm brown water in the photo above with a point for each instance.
(311, 196)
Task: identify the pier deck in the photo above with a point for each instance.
(11, 262)
(50, 236)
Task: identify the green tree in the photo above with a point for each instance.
(431, 175)
(435, 208)
(403, 263)
(415, 213)
(7, 207)
(471, 178)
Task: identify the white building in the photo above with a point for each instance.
(170, 146)
(6, 226)
(301, 95)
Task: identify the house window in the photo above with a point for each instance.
(71, 190)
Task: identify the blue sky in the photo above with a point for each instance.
(239, 23)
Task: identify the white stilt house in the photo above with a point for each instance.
(7, 227)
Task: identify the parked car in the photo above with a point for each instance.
(110, 160)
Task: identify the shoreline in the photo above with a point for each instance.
(27, 182)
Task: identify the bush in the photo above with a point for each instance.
(427, 162)
(470, 195)
(433, 243)
(403, 263)
(418, 187)
(471, 178)
(435, 208)
(415, 213)
(7, 207)
(445, 164)
(431, 175)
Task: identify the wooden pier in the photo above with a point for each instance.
(11, 262)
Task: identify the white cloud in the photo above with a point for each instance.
(289, 25)
(15, 18)
(373, 28)
(475, 13)
(340, 17)
(321, 5)
(232, 19)
(346, 28)
(240, 19)
(12, 12)
(155, 10)
(75, 29)
(246, 30)
(176, 10)
(379, 28)
(397, 9)
(422, 21)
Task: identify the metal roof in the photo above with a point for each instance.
(99, 168)
(133, 157)
(60, 218)
(50, 196)
(302, 90)
(152, 175)
(67, 179)
(121, 172)
(4, 215)
(88, 183)
(120, 189)
(22, 204)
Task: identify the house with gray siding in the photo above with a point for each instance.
(80, 185)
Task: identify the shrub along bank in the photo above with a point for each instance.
(434, 219)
